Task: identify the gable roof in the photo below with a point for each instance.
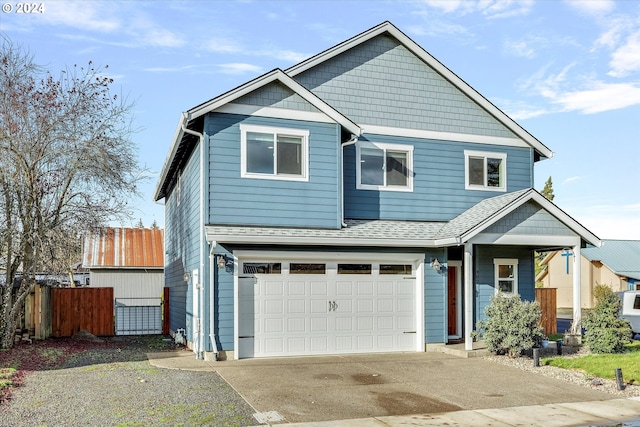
(389, 28)
(123, 248)
(620, 256)
(198, 111)
(487, 212)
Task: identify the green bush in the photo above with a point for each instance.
(511, 325)
(605, 331)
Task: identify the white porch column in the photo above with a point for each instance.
(468, 296)
(576, 326)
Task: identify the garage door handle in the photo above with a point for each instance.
(409, 332)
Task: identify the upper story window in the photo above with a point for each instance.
(274, 153)
(485, 171)
(506, 276)
(384, 166)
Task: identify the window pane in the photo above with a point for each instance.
(354, 268)
(636, 302)
(505, 286)
(505, 271)
(371, 166)
(297, 268)
(259, 152)
(261, 268)
(395, 268)
(476, 171)
(290, 155)
(397, 172)
(494, 169)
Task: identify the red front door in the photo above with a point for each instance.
(452, 311)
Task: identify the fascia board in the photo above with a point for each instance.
(315, 241)
(177, 138)
(547, 205)
(436, 65)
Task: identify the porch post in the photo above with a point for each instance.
(576, 326)
(468, 296)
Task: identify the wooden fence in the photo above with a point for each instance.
(547, 299)
(75, 309)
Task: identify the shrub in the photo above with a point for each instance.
(511, 326)
(605, 331)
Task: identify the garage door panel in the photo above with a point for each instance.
(299, 314)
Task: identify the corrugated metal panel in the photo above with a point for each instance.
(621, 256)
(124, 247)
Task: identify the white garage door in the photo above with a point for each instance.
(289, 308)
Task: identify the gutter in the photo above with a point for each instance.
(212, 307)
(199, 351)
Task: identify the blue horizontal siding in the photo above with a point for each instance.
(439, 192)
(269, 202)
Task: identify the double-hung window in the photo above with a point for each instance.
(274, 153)
(384, 166)
(485, 170)
(506, 276)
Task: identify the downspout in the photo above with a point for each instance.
(349, 142)
(199, 353)
(212, 307)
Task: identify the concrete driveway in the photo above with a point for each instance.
(304, 389)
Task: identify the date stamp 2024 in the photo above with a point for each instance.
(23, 8)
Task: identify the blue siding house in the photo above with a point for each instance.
(364, 200)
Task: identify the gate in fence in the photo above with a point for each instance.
(138, 316)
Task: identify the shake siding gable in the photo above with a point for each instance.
(439, 181)
(276, 95)
(530, 218)
(380, 82)
(269, 202)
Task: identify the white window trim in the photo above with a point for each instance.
(303, 133)
(384, 146)
(505, 261)
(485, 154)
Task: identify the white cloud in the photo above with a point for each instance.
(488, 8)
(626, 59)
(600, 97)
(222, 45)
(571, 179)
(92, 16)
(592, 7)
(239, 68)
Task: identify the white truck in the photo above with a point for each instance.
(631, 309)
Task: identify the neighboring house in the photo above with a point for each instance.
(131, 261)
(616, 263)
(364, 200)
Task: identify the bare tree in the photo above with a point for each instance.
(67, 163)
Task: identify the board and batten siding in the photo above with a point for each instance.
(132, 286)
(234, 200)
(182, 225)
(485, 274)
(380, 82)
(439, 192)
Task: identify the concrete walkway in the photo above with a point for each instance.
(424, 389)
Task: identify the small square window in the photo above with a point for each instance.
(384, 166)
(506, 276)
(485, 171)
(274, 153)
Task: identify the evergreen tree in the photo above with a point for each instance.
(547, 191)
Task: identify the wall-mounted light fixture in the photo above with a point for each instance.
(435, 264)
(223, 260)
(186, 276)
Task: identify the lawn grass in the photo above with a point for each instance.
(604, 365)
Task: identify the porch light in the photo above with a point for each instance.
(223, 260)
(435, 264)
(186, 276)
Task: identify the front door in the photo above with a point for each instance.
(452, 303)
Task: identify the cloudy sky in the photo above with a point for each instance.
(567, 71)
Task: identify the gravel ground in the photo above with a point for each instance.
(118, 387)
(569, 375)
